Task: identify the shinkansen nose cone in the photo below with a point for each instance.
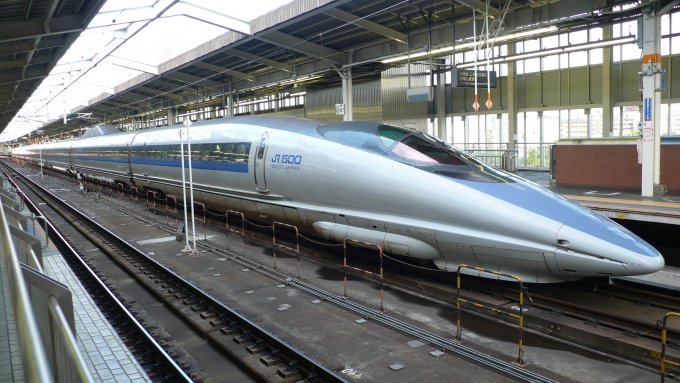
(597, 246)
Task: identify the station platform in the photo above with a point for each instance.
(107, 356)
(615, 203)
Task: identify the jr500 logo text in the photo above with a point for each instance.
(286, 161)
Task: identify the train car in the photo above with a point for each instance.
(409, 192)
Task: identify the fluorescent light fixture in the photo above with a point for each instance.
(554, 51)
(298, 94)
(472, 44)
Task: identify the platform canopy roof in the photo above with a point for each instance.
(34, 35)
(144, 56)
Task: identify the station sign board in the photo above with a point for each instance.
(648, 109)
(463, 78)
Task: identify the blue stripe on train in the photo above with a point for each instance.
(207, 165)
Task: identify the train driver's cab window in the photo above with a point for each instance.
(416, 147)
(389, 135)
(261, 149)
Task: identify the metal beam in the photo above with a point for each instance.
(27, 9)
(17, 76)
(158, 92)
(191, 79)
(20, 63)
(303, 46)
(9, 97)
(43, 44)
(219, 69)
(49, 13)
(20, 30)
(262, 60)
(478, 5)
(366, 24)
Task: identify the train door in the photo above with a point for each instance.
(260, 155)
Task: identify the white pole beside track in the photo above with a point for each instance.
(187, 123)
(184, 191)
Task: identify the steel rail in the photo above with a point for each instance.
(324, 373)
(580, 316)
(447, 345)
(177, 371)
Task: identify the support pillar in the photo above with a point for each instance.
(651, 104)
(512, 101)
(171, 115)
(230, 106)
(441, 106)
(607, 105)
(347, 93)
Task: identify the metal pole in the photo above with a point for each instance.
(382, 295)
(41, 165)
(459, 331)
(34, 358)
(520, 358)
(184, 191)
(191, 193)
(274, 242)
(297, 249)
(344, 264)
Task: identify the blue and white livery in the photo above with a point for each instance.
(406, 191)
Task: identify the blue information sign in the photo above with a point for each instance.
(648, 109)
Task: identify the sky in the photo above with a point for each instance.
(124, 40)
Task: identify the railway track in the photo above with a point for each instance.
(173, 288)
(177, 284)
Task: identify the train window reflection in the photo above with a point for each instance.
(389, 135)
(216, 152)
(419, 149)
(196, 152)
(241, 152)
(205, 152)
(228, 152)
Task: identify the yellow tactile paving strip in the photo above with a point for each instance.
(632, 204)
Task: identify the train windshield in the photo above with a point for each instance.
(438, 156)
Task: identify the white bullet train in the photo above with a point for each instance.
(407, 191)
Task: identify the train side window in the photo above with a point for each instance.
(196, 152)
(205, 152)
(241, 152)
(216, 152)
(228, 153)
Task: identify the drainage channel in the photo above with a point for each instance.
(445, 345)
(292, 362)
